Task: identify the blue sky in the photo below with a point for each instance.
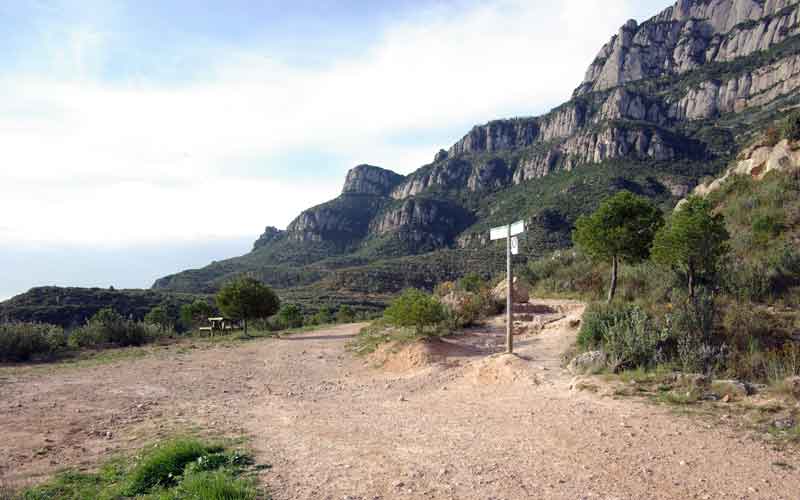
(182, 128)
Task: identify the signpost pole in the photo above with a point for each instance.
(509, 301)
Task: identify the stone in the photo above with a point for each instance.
(792, 384)
(588, 362)
(520, 292)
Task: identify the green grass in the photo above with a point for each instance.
(176, 470)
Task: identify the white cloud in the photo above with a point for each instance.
(85, 160)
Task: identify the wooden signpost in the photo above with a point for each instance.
(509, 232)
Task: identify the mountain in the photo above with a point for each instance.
(665, 104)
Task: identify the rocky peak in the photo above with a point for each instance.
(688, 35)
(269, 235)
(368, 179)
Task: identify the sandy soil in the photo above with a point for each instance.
(465, 424)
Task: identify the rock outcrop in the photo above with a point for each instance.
(270, 235)
(688, 35)
(368, 179)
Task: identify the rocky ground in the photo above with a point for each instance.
(458, 422)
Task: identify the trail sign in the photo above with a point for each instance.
(509, 233)
(498, 233)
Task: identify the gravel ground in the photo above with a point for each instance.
(472, 424)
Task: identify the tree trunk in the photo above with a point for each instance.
(245, 326)
(691, 280)
(612, 290)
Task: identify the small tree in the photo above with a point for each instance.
(159, 316)
(195, 313)
(246, 299)
(415, 308)
(290, 316)
(693, 241)
(621, 229)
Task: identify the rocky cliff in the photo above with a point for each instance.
(665, 103)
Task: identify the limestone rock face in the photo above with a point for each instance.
(497, 135)
(688, 35)
(368, 179)
(756, 161)
(420, 220)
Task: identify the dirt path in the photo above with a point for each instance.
(333, 426)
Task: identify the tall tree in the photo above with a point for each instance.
(621, 229)
(247, 299)
(693, 241)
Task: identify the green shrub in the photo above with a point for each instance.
(164, 465)
(631, 340)
(108, 327)
(472, 283)
(791, 127)
(415, 308)
(596, 320)
(691, 327)
(345, 314)
(22, 341)
(290, 316)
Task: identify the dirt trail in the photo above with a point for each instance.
(478, 426)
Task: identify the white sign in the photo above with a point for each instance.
(517, 228)
(499, 233)
(514, 245)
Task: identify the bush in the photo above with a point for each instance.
(345, 314)
(22, 341)
(791, 127)
(464, 309)
(290, 316)
(691, 327)
(472, 283)
(596, 320)
(415, 308)
(108, 327)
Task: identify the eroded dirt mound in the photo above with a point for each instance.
(404, 357)
(503, 369)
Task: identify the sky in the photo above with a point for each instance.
(143, 137)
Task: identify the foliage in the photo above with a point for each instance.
(694, 241)
(290, 316)
(195, 314)
(181, 469)
(626, 333)
(471, 282)
(623, 226)
(247, 299)
(345, 314)
(691, 328)
(109, 327)
(415, 308)
(790, 129)
(621, 229)
(161, 318)
(21, 341)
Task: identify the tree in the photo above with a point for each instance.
(621, 229)
(159, 317)
(471, 282)
(245, 299)
(693, 241)
(290, 316)
(195, 313)
(415, 308)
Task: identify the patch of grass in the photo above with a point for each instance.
(179, 469)
(378, 333)
(678, 397)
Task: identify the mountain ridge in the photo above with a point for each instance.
(664, 103)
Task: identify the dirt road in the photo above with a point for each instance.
(332, 426)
